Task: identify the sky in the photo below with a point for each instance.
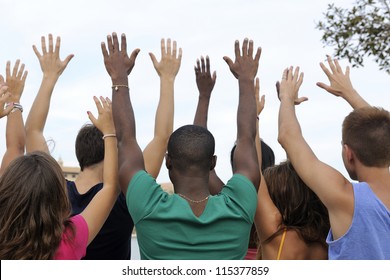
(285, 30)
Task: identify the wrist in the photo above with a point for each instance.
(120, 81)
(245, 79)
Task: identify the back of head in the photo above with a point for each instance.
(299, 206)
(34, 206)
(267, 156)
(89, 146)
(367, 132)
(191, 147)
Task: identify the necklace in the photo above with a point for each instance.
(193, 201)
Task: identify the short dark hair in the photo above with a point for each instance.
(367, 132)
(89, 146)
(191, 146)
(267, 155)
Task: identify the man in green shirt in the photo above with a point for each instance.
(190, 224)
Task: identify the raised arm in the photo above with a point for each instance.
(52, 67)
(340, 84)
(267, 218)
(205, 82)
(330, 186)
(15, 134)
(167, 69)
(97, 211)
(119, 65)
(244, 69)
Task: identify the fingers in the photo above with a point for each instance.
(236, 48)
(257, 88)
(104, 50)
(58, 45)
(326, 70)
(203, 64)
(110, 44)
(168, 46)
(15, 69)
(50, 43)
(208, 64)
(163, 51)
(115, 41)
(278, 89)
(174, 51)
(250, 50)
(36, 51)
(331, 64)
(8, 70)
(98, 104)
(245, 47)
(123, 43)
(258, 54)
(214, 76)
(180, 54)
(43, 45)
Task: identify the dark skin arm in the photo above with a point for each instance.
(244, 68)
(205, 82)
(119, 65)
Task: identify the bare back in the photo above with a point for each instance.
(294, 248)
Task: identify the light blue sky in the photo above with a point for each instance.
(284, 29)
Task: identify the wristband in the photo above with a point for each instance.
(108, 135)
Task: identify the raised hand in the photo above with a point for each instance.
(204, 80)
(104, 121)
(289, 86)
(51, 64)
(244, 66)
(15, 81)
(340, 84)
(116, 60)
(169, 65)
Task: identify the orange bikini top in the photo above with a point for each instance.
(281, 243)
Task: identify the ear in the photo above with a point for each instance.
(213, 162)
(349, 154)
(168, 162)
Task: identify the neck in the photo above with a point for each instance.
(373, 175)
(89, 177)
(193, 187)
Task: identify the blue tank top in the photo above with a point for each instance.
(368, 237)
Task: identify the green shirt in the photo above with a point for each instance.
(168, 229)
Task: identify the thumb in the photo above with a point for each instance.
(300, 100)
(228, 61)
(91, 117)
(68, 58)
(214, 76)
(153, 58)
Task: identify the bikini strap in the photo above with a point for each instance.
(281, 243)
